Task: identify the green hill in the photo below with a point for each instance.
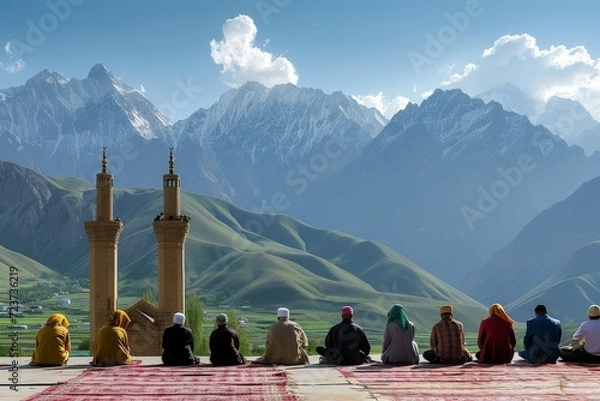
(23, 278)
(542, 248)
(233, 256)
(569, 292)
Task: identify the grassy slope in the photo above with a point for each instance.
(29, 272)
(570, 291)
(239, 257)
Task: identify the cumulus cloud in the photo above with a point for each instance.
(15, 65)
(387, 107)
(541, 73)
(243, 61)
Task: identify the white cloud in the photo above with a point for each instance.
(242, 61)
(142, 89)
(387, 107)
(541, 73)
(15, 65)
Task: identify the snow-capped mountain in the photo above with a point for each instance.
(512, 98)
(58, 125)
(262, 138)
(242, 148)
(449, 182)
(571, 121)
(563, 117)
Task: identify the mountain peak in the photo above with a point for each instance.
(102, 75)
(50, 77)
(449, 96)
(512, 98)
(99, 71)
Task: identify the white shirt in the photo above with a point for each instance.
(589, 332)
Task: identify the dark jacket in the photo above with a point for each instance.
(351, 342)
(224, 347)
(178, 346)
(541, 339)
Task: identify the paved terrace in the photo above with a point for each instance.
(314, 382)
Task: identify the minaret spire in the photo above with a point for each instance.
(171, 162)
(104, 161)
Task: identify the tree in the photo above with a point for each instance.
(234, 317)
(195, 318)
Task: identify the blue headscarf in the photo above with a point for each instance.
(397, 314)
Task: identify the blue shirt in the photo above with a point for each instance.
(541, 339)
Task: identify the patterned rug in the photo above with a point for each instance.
(478, 382)
(204, 382)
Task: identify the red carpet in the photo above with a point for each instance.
(478, 382)
(205, 382)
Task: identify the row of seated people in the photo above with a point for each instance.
(346, 342)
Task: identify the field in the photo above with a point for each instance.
(315, 324)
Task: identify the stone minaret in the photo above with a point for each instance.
(103, 234)
(171, 230)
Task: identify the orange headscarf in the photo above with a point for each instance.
(498, 310)
(56, 319)
(119, 318)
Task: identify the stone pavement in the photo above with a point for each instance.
(310, 382)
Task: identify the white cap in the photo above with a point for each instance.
(283, 312)
(179, 318)
(594, 311)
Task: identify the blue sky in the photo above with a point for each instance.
(382, 54)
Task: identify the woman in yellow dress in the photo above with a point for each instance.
(112, 345)
(52, 343)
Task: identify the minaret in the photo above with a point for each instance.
(103, 234)
(171, 230)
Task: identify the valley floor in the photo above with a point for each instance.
(314, 382)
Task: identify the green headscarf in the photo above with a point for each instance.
(396, 314)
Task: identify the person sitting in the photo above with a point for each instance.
(52, 342)
(112, 344)
(346, 342)
(447, 341)
(178, 344)
(542, 337)
(286, 342)
(224, 344)
(496, 339)
(399, 346)
(586, 340)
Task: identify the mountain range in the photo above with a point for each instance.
(564, 117)
(239, 149)
(447, 183)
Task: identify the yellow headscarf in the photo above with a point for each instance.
(119, 318)
(498, 310)
(56, 319)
